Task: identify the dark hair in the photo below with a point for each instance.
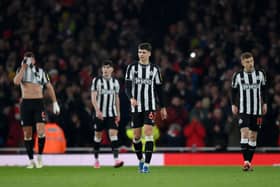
(29, 54)
(107, 63)
(246, 55)
(147, 46)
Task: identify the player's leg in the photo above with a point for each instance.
(243, 122)
(113, 134)
(138, 146)
(137, 123)
(41, 142)
(252, 145)
(254, 126)
(149, 139)
(40, 119)
(27, 122)
(149, 146)
(98, 127)
(244, 145)
(28, 142)
(96, 148)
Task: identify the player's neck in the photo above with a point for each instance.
(107, 77)
(249, 70)
(144, 62)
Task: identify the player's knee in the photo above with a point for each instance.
(148, 130)
(41, 134)
(27, 138)
(27, 135)
(97, 139)
(137, 133)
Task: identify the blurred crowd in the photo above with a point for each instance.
(197, 44)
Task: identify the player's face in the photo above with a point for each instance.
(248, 64)
(33, 61)
(107, 71)
(144, 55)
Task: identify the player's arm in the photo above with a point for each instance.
(234, 94)
(128, 85)
(20, 73)
(118, 117)
(99, 114)
(128, 88)
(51, 92)
(264, 93)
(159, 91)
(160, 95)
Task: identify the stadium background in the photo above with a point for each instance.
(71, 37)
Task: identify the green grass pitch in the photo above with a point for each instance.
(129, 177)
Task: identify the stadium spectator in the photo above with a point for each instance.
(195, 133)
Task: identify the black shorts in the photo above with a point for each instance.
(138, 119)
(32, 112)
(253, 122)
(105, 124)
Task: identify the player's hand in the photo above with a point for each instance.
(24, 63)
(56, 108)
(264, 108)
(133, 102)
(234, 109)
(163, 113)
(117, 120)
(99, 115)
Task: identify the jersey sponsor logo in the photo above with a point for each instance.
(250, 86)
(143, 81)
(107, 92)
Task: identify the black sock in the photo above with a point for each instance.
(149, 151)
(29, 148)
(115, 149)
(138, 149)
(251, 151)
(41, 144)
(244, 150)
(96, 147)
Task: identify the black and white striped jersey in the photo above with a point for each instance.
(107, 90)
(144, 79)
(248, 91)
(35, 75)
